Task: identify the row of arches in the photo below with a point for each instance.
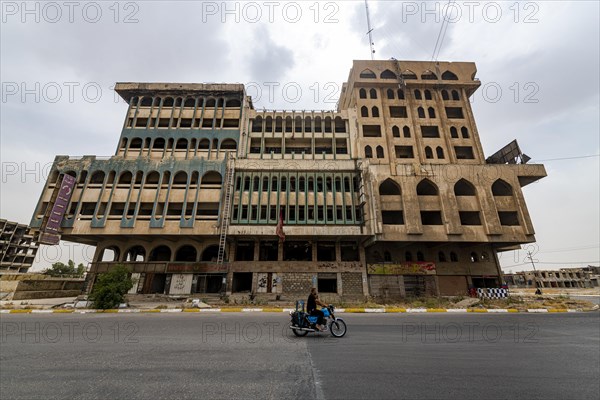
(138, 144)
(378, 151)
(298, 124)
(426, 94)
(159, 253)
(407, 74)
(462, 187)
(187, 102)
(442, 256)
(302, 184)
(150, 179)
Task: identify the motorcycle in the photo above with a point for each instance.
(303, 323)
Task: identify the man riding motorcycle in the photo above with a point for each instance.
(311, 307)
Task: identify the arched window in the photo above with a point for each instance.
(340, 125)
(288, 124)
(387, 74)
(455, 95)
(373, 93)
(362, 93)
(441, 256)
(421, 112)
(368, 152)
(408, 74)
(211, 253)
(464, 188)
(408, 256)
(390, 94)
(427, 95)
(389, 188)
(474, 257)
(160, 253)
(453, 257)
(274, 184)
(364, 111)
(180, 178)
(211, 178)
(428, 76)
(111, 253)
(135, 254)
(420, 256)
(453, 132)
(465, 132)
(257, 124)
(186, 253)
(228, 144)
(400, 94)
(445, 95)
(431, 112)
(298, 124)
(428, 152)
(379, 151)
(368, 74)
(255, 183)
(387, 256)
(501, 188)
(439, 152)
(417, 94)
(449, 76)
(204, 144)
(395, 131)
(307, 124)
(265, 184)
(406, 131)
(375, 112)
(427, 188)
(246, 184)
(97, 178)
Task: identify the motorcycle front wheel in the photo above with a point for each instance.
(338, 328)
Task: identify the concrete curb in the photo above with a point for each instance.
(287, 310)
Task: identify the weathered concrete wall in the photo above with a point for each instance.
(39, 286)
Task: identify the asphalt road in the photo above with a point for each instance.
(244, 356)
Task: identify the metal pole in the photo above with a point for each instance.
(534, 272)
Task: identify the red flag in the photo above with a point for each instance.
(279, 230)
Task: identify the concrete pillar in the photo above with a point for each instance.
(340, 290)
(256, 250)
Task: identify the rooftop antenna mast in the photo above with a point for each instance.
(370, 30)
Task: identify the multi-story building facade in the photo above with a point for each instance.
(561, 278)
(389, 195)
(17, 247)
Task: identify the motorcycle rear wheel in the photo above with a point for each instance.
(337, 328)
(299, 332)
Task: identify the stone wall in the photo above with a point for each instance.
(297, 283)
(352, 283)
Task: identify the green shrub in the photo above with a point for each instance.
(109, 291)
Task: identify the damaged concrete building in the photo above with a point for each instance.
(389, 195)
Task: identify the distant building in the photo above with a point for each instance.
(389, 195)
(17, 248)
(562, 278)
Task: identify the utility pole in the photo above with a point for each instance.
(529, 255)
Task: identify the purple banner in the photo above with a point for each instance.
(50, 232)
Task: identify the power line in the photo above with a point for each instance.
(441, 34)
(568, 158)
(553, 263)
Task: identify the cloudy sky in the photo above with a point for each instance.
(537, 61)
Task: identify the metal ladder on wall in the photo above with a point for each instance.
(224, 225)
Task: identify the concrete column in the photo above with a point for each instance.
(256, 250)
(338, 251)
(340, 290)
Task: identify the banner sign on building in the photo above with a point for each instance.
(407, 268)
(49, 233)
